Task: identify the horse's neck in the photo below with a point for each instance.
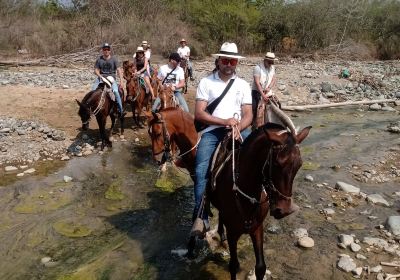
(252, 159)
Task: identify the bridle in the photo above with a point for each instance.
(98, 108)
(167, 141)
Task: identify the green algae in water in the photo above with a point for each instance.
(165, 185)
(41, 203)
(71, 229)
(306, 150)
(114, 192)
(308, 165)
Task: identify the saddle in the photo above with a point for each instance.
(220, 158)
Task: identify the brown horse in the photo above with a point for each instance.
(266, 166)
(99, 104)
(138, 98)
(185, 67)
(169, 128)
(167, 97)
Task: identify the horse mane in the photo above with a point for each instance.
(87, 98)
(255, 133)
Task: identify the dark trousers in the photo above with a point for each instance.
(256, 97)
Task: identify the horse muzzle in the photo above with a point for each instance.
(284, 207)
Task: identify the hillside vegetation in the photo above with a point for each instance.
(51, 27)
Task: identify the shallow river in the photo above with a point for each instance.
(119, 219)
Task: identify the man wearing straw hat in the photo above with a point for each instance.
(233, 110)
(263, 81)
(184, 52)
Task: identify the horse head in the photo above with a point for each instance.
(281, 167)
(166, 95)
(84, 113)
(160, 138)
(128, 68)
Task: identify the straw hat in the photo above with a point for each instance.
(139, 49)
(144, 43)
(109, 80)
(228, 50)
(270, 56)
(182, 40)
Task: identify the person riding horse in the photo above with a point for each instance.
(172, 75)
(141, 69)
(184, 52)
(107, 65)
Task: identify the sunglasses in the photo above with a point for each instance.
(226, 61)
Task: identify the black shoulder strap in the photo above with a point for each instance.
(168, 75)
(211, 107)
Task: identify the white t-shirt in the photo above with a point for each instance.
(173, 78)
(184, 52)
(239, 94)
(265, 74)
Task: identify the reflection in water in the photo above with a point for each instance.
(118, 219)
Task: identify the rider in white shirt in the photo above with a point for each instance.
(184, 52)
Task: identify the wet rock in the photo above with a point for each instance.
(347, 188)
(355, 247)
(377, 242)
(346, 263)
(377, 199)
(375, 107)
(361, 257)
(65, 157)
(376, 269)
(309, 178)
(300, 232)
(20, 174)
(328, 211)
(388, 109)
(274, 228)
(67, 179)
(326, 87)
(45, 260)
(305, 242)
(346, 239)
(357, 271)
(393, 225)
(10, 168)
(394, 127)
(30, 171)
(5, 130)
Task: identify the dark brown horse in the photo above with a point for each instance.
(266, 166)
(185, 67)
(169, 128)
(99, 104)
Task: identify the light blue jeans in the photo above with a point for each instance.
(208, 143)
(114, 87)
(179, 97)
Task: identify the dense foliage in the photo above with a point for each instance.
(52, 26)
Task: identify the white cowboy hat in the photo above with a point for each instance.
(228, 50)
(270, 56)
(139, 49)
(108, 81)
(182, 40)
(144, 43)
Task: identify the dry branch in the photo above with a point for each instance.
(347, 103)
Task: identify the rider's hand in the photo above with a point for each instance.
(231, 122)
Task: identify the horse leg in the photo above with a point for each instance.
(112, 116)
(221, 232)
(101, 123)
(233, 262)
(191, 246)
(257, 238)
(104, 132)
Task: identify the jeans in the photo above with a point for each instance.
(178, 95)
(208, 143)
(114, 87)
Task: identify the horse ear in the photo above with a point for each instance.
(149, 116)
(277, 136)
(303, 134)
(79, 103)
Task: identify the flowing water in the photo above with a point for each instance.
(120, 219)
